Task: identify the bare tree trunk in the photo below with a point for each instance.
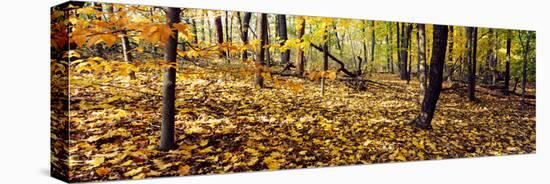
(167, 138)
(471, 34)
(422, 72)
(365, 55)
(244, 32)
(325, 60)
(372, 42)
(300, 60)
(391, 47)
(524, 69)
(260, 53)
(196, 36)
(282, 31)
(450, 70)
(429, 103)
(506, 89)
(398, 43)
(219, 33)
(406, 33)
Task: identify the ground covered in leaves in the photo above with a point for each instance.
(225, 125)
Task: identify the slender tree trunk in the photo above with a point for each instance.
(325, 60)
(471, 34)
(450, 70)
(196, 36)
(226, 23)
(260, 53)
(167, 138)
(524, 70)
(209, 30)
(372, 42)
(422, 72)
(398, 43)
(406, 33)
(506, 89)
(219, 33)
(391, 47)
(282, 31)
(300, 60)
(244, 32)
(365, 55)
(429, 103)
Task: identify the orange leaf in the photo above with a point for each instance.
(103, 171)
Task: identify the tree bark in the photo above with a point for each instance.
(422, 72)
(372, 42)
(524, 69)
(282, 31)
(506, 89)
(300, 60)
(406, 32)
(471, 34)
(429, 103)
(450, 54)
(325, 60)
(167, 138)
(219, 33)
(244, 32)
(260, 53)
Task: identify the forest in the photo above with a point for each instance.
(142, 91)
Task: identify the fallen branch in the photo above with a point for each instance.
(342, 65)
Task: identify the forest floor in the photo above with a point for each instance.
(225, 125)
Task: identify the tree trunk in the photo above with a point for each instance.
(391, 47)
(260, 53)
(471, 34)
(372, 43)
(126, 53)
(506, 89)
(524, 69)
(167, 138)
(406, 32)
(398, 43)
(282, 31)
(244, 32)
(219, 33)
(365, 55)
(450, 70)
(429, 103)
(300, 60)
(195, 37)
(325, 60)
(422, 72)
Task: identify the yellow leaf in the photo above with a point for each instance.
(203, 142)
(133, 172)
(96, 161)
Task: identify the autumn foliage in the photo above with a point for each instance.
(107, 93)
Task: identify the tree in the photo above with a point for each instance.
(282, 32)
(525, 47)
(244, 31)
(403, 51)
(260, 52)
(167, 138)
(422, 72)
(300, 59)
(219, 32)
(471, 48)
(325, 59)
(372, 43)
(450, 68)
(506, 89)
(429, 103)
